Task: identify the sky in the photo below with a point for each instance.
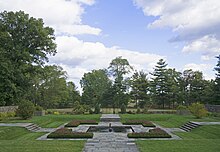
(90, 33)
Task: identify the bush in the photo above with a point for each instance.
(153, 133)
(139, 122)
(67, 133)
(25, 109)
(38, 108)
(138, 110)
(76, 123)
(97, 109)
(182, 110)
(123, 108)
(3, 116)
(198, 110)
(79, 108)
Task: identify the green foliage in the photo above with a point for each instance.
(123, 108)
(68, 133)
(94, 85)
(153, 133)
(79, 108)
(25, 109)
(97, 109)
(138, 111)
(198, 110)
(181, 107)
(139, 88)
(24, 45)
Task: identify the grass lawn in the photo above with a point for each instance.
(53, 121)
(16, 139)
(202, 139)
(165, 120)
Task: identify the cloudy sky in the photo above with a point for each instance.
(90, 33)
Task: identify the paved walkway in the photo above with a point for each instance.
(110, 142)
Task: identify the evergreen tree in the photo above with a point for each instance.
(217, 82)
(159, 84)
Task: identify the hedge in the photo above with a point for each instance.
(139, 122)
(76, 123)
(153, 133)
(67, 133)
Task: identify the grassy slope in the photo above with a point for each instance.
(166, 120)
(202, 139)
(48, 121)
(16, 139)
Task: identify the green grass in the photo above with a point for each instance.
(165, 120)
(202, 139)
(50, 121)
(16, 139)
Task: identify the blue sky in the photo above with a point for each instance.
(90, 33)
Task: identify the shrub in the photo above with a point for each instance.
(153, 133)
(139, 122)
(123, 108)
(198, 110)
(76, 123)
(25, 109)
(79, 108)
(67, 133)
(56, 113)
(38, 108)
(182, 110)
(138, 110)
(3, 116)
(97, 109)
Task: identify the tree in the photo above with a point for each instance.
(52, 89)
(24, 45)
(139, 88)
(174, 91)
(217, 82)
(94, 85)
(159, 85)
(117, 69)
(193, 86)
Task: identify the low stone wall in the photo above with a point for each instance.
(213, 108)
(8, 108)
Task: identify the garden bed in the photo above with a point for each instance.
(67, 133)
(139, 122)
(76, 123)
(153, 133)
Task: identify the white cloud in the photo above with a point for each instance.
(195, 22)
(63, 15)
(209, 45)
(204, 68)
(78, 56)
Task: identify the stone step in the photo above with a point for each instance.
(33, 127)
(189, 126)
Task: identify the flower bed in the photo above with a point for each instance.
(67, 133)
(153, 133)
(76, 123)
(139, 122)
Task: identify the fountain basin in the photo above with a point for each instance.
(104, 129)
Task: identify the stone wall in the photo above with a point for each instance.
(213, 108)
(8, 108)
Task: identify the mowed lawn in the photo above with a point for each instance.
(166, 120)
(53, 121)
(17, 139)
(202, 139)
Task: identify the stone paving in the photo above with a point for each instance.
(110, 142)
